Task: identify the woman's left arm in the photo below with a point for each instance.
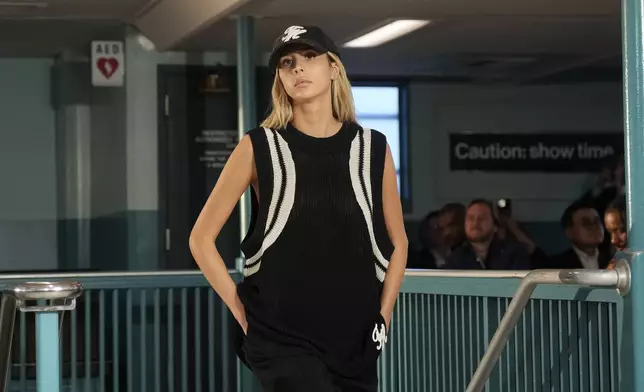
(396, 230)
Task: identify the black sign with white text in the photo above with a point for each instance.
(545, 152)
(215, 146)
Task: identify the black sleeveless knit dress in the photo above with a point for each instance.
(317, 250)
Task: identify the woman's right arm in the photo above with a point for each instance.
(237, 175)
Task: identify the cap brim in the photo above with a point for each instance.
(281, 49)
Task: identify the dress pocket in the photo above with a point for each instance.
(376, 339)
(239, 340)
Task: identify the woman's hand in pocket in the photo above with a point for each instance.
(239, 312)
(244, 326)
(387, 317)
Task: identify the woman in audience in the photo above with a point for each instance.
(615, 223)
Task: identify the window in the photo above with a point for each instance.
(379, 107)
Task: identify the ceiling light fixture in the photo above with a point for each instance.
(145, 43)
(387, 33)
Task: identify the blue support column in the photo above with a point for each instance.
(633, 65)
(47, 352)
(246, 88)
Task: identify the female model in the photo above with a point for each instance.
(326, 247)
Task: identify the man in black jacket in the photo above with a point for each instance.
(483, 249)
(584, 229)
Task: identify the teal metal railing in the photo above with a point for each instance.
(168, 331)
(559, 344)
(567, 338)
(134, 332)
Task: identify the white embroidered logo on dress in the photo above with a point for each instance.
(293, 32)
(379, 336)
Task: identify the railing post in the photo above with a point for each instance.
(491, 318)
(61, 296)
(47, 352)
(246, 88)
(633, 68)
(7, 322)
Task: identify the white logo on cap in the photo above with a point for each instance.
(293, 32)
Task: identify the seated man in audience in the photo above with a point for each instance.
(584, 229)
(482, 248)
(451, 221)
(431, 253)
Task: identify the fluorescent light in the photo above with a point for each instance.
(387, 33)
(145, 43)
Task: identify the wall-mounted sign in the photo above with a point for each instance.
(536, 152)
(108, 63)
(215, 146)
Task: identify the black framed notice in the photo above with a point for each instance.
(535, 152)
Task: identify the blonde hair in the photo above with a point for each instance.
(341, 99)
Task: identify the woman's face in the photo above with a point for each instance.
(616, 228)
(306, 74)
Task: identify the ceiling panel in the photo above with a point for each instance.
(433, 8)
(74, 9)
(482, 38)
(485, 38)
(552, 35)
(48, 27)
(222, 35)
(450, 45)
(458, 34)
(25, 38)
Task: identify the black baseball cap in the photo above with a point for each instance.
(312, 36)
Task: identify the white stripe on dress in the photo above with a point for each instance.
(283, 210)
(354, 169)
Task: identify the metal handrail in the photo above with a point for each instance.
(619, 278)
(111, 274)
(438, 273)
(197, 272)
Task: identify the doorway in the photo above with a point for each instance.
(198, 117)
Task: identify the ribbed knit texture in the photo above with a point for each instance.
(314, 271)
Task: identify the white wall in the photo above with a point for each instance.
(141, 143)
(27, 165)
(437, 110)
(141, 118)
(28, 209)
(124, 158)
